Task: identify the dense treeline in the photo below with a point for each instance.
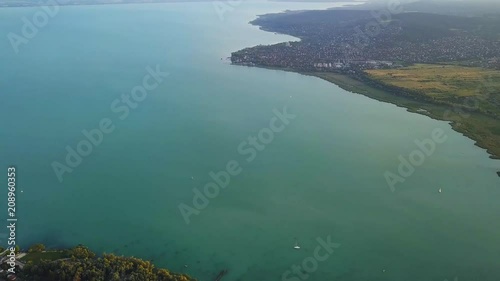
(83, 265)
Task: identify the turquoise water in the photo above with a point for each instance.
(322, 176)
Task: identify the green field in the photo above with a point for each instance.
(452, 84)
(49, 255)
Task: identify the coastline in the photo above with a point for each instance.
(433, 111)
(478, 126)
(37, 263)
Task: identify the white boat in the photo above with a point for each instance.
(440, 190)
(296, 247)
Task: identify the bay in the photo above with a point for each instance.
(323, 176)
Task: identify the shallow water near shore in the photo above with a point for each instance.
(322, 176)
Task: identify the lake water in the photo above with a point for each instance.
(323, 175)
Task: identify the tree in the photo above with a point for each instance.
(82, 252)
(85, 266)
(37, 248)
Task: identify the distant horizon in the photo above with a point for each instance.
(31, 3)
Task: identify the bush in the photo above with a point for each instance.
(37, 248)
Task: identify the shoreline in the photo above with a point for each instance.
(473, 123)
(38, 261)
(469, 123)
(433, 111)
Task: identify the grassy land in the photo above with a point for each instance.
(480, 124)
(350, 84)
(439, 80)
(450, 84)
(49, 255)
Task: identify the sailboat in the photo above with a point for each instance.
(296, 247)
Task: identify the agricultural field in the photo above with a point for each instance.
(452, 84)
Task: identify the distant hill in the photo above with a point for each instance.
(412, 26)
(444, 7)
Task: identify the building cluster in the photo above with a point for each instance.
(347, 49)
